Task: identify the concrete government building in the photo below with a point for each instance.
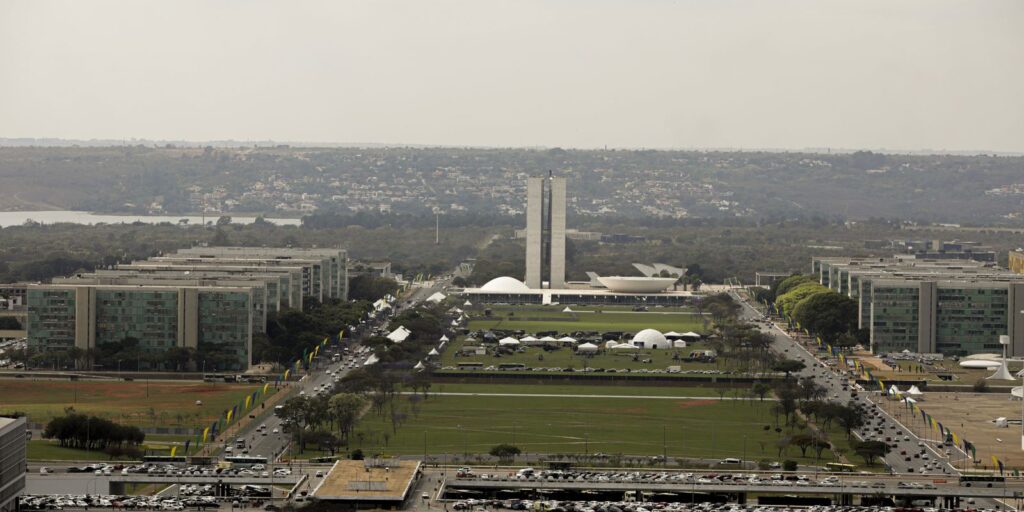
(545, 281)
(13, 444)
(211, 300)
(953, 307)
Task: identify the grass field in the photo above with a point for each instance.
(534, 320)
(156, 404)
(44, 449)
(635, 426)
(570, 389)
(537, 357)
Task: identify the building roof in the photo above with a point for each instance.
(636, 284)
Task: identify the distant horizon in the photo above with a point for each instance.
(915, 76)
(57, 142)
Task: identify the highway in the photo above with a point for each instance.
(905, 440)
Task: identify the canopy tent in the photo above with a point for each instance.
(690, 335)
(914, 391)
(467, 304)
(436, 297)
(586, 348)
(894, 390)
(567, 310)
(508, 340)
(1003, 373)
(679, 344)
(611, 344)
(546, 339)
(433, 353)
(371, 360)
(419, 366)
(527, 339)
(399, 335)
(444, 338)
(567, 339)
(455, 323)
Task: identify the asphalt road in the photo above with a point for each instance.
(906, 440)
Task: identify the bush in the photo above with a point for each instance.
(357, 454)
(789, 465)
(981, 386)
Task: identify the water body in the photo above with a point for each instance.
(8, 219)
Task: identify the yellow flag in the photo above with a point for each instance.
(286, 372)
(174, 449)
(248, 400)
(995, 461)
(229, 415)
(266, 387)
(206, 432)
(956, 438)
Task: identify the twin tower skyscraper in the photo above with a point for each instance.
(545, 232)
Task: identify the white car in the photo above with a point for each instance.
(276, 431)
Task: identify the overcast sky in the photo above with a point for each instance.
(904, 74)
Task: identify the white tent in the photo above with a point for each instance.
(528, 339)
(444, 338)
(381, 305)
(508, 342)
(455, 323)
(679, 344)
(894, 390)
(690, 335)
(611, 344)
(910, 400)
(567, 339)
(419, 366)
(672, 334)
(567, 310)
(467, 304)
(586, 348)
(1002, 373)
(914, 391)
(546, 339)
(436, 297)
(399, 335)
(371, 360)
(624, 346)
(433, 353)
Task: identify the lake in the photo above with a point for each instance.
(8, 219)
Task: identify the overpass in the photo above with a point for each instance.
(117, 482)
(949, 492)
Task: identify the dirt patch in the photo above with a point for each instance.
(687, 404)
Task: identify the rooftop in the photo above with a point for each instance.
(367, 480)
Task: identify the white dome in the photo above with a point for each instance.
(505, 284)
(650, 338)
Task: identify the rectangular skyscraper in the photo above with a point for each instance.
(534, 230)
(556, 206)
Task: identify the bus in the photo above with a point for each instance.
(511, 366)
(244, 461)
(978, 479)
(837, 467)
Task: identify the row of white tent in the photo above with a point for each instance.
(913, 391)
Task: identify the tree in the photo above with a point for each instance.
(850, 417)
(789, 366)
(760, 389)
(788, 301)
(344, 409)
(870, 450)
(789, 465)
(828, 314)
(505, 451)
(224, 220)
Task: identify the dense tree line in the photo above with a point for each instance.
(92, 433)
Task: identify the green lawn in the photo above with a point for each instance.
(473, 424)
(536, 320)
(156, 404)
(45, 449)
(537, 357)
(570, 389)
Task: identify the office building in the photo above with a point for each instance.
(953, 307)
(545, 232)
(13, 443)
(216, 321)
(332, 262)
(1016, 261)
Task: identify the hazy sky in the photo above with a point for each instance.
(573, 73)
